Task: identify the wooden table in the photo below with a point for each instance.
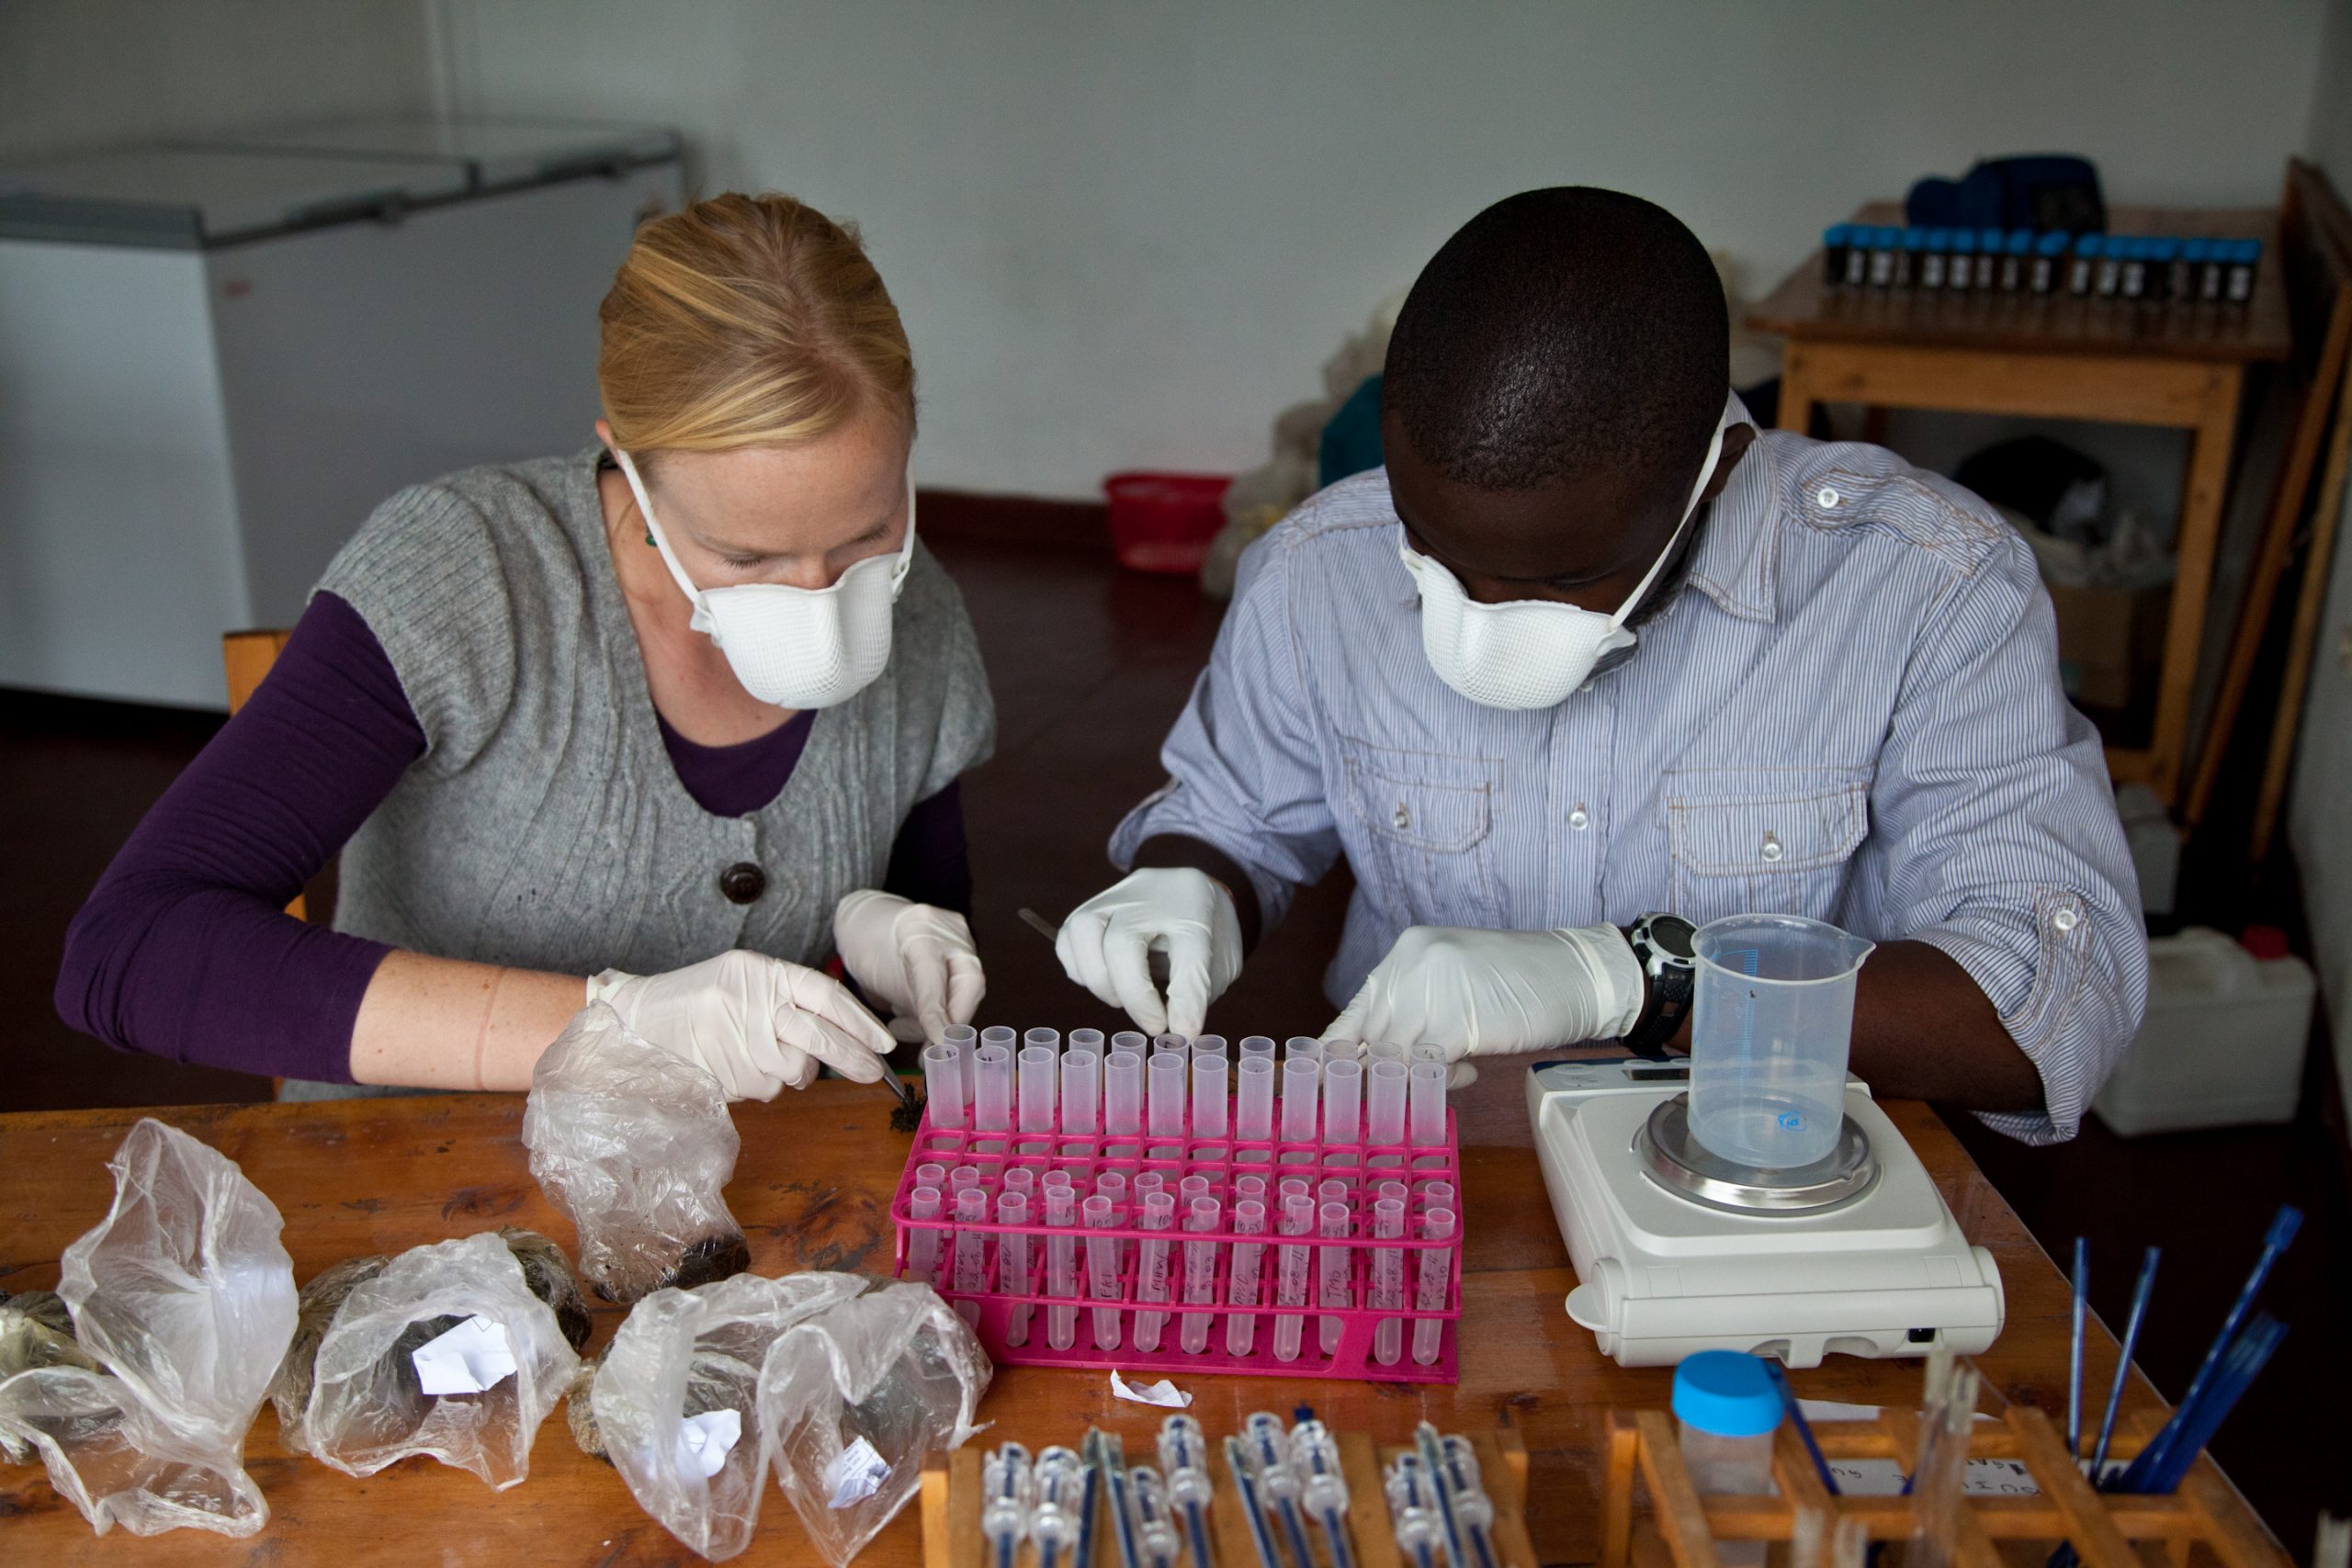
(812, 1189)
(2059, 357)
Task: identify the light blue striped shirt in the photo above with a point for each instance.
(1850, 710)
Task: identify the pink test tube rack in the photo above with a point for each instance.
(1087, 1156)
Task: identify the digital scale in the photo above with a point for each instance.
(1678, 1250)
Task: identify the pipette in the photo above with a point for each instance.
(1253, 1115)
(942, 1080)
(1277, 1480)
(1061, 1261)
(1388, 1281)
(1183, 1454)
(1241, 1327)
(1156, 1539)
(1474, 1511)
(1411, 1512)
(1004, 1510)
(1102, 1269)
(1111, 1458)
(1151, 1265)
(1437, 1268)
(2144, 1288)
(1013, 1265)
(923, 1244)
(2283, 1226)
(1290, 1285)
(1089, 1451)
(1332, 1265)
(1059, 1481)
(2082, 1281)
(1200, 1274)
(1253, 1508)
(1315, 1455)
(1431, 1448)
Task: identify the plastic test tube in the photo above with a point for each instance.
(1388, 1280)
(1254, 1105)
(1435, 1195)
(1209, 1073)
(1302, 1079)
(1256, 1046)
(992, 1089)
(1167, 1072)
(966, 1040)
(1248, 1219)
(1040, 1067)
(1425, 1083)
(1303, 1045)
(1151, 1268)
(931, 1173)
(1208, 1045)
(1200, 1273)
(1085, 1040)
(1061, 1261)
(1102, 1269)
(971, 1256)
(1082, 1096)
(1161, 1042)
(1386, 1109)
(1123, 1094)
(1437, 1266)
(1051, 1039)
(1343, 1101)
(943, 1083)
(1129, 1040)
(960, 1178)
(1013, 1265)
(997, 1034)
(1290, 1286)
(1332, 1221)
(1021, 1180)
(922, 1245)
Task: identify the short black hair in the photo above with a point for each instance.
(1557, 334)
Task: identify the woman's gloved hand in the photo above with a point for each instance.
(1481, 993)
(917, 957)
(756, 1024)
(1107, 944)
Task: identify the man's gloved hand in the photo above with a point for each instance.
(917, 957)
(1186, 915)
(756, 1024)
(1481, 993)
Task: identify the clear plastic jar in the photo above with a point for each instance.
(1727, 1407)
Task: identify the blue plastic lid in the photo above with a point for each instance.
(2248, 251)
(2054, 243)
(2196, 250)
(1727, 1394)
(2020, 242)
(1938, 238)
(1988, 239)
(1914, 238)
(2117, 247)
(1837, 233)
(2163, 249)
(2088, 245)
(1963, 239)
(1889, 236)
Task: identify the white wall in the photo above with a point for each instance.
(1129, 233)
(2319, 820)
(77, 72)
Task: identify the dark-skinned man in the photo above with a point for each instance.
(1592, 658)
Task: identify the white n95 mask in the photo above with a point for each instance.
(798, 647)
(1532, 653)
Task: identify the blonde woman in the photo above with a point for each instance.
(663, 723)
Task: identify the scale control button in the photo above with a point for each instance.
(1772, 851)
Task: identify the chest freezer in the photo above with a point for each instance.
(216, 359)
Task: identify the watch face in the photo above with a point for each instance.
(1671, 936)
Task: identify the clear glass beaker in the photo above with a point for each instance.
(1772, 1023)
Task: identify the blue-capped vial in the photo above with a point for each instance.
(2246, 258)
(1885, 241)
(1934, 258)
(2082, 267)
(1990, 242)
(2202, 279)
(2049, 256)
(1907, 259)
(2163, 258)
(2132, 281)
(1960, 272)
(2015, 255)
(1836, 247)
(1726, 1409)
(2112, 251)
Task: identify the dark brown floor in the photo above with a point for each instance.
(1088, 666)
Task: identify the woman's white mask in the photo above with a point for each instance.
(1532, 653)
(798, 647)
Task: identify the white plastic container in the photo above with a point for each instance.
(2222, 1043)
(1727, 1409)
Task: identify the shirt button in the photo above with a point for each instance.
(742, 883)
(1772, 850)
(1579, 819)
(2065, 918)
(1827, 496)
(1403, 819)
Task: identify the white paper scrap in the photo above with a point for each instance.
(1884, 1477)
(856, 1474)
(705, 1440)
(469, 1359)
(1163, 1393)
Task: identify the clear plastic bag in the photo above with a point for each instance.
(634, 1145)
(675, 1402)
(362, 1399)
(851, 1399)
(185, 1296)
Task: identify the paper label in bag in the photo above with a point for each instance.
(1165, 1394)
(705, 1440)
(469, 1359)
(856, 1474)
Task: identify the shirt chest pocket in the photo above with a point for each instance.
(1745, 844)
(1423, 823)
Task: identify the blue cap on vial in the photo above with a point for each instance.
(2248, 251)
(1963, 239)
(2196, 250)
(1914, 238)
(2090, 245)
(1837, 233)
(2162, 248)
(1938, 238)
(2020, 242)
(1989, 240)
(1727, 1393)
(2117, 248)
(2054, 243)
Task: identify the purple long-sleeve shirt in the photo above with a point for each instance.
(183, 949)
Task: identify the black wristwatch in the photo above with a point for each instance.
(1661, 945)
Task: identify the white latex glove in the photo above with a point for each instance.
(1185, 915)
(756, 1024)
(1481, 993)
(917, 957)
